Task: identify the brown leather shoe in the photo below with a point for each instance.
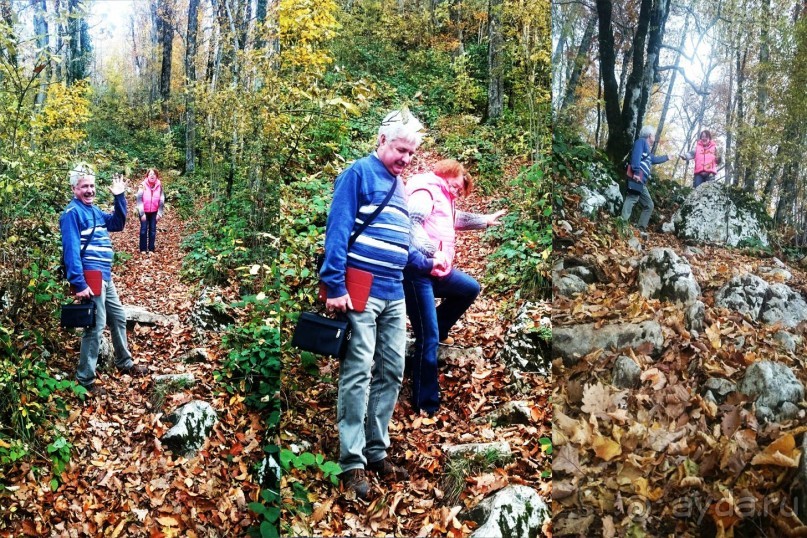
(96, 390)
(135, 370)
(356, 480)
(447, 341)
(387, 471)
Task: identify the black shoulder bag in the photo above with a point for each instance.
(320, 334)
(79, 314)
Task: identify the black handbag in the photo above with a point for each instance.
(634, 187)
(321, 335)
(78, 315)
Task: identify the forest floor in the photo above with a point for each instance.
(662, 459)
(427, 504)
(120, 481)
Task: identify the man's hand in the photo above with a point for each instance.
(118, 184)
(85, 294)
(493, 218)
(342, 304)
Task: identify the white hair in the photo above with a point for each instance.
(647, 131)
(79, 172)
(401, 124)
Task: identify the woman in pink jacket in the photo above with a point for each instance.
(434, 219)
(150, 202)
(707, 158)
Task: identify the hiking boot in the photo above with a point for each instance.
(96, 389)
(387, 471)
(135, 370)
(356, 480)
(447, 341)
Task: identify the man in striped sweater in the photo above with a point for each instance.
(84, 225)
(371, 373)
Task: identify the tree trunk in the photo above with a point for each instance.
(7, 16)
(190, 73)
(166, 38)
(671, 85)
(42, 39)
(495, 74)
(760, 112)
(79, 48)
(580, 60)
(455, 16)
(156, 32)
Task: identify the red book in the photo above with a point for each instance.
(358, 285)
(94, 280)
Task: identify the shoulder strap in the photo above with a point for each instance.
(84, 248)
(366, 222)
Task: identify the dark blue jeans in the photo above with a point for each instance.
(430, 325)
(148, 230)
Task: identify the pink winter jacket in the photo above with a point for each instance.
(150, 197)
(705, 157)
(432, 207)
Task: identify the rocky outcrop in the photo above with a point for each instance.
(752, 296)
(210, 313)
(776, 389)
(528, 342)
(573, 342)
(138, 314)
(513, 512)
(191, 425)
(664, 275)
(711, 215)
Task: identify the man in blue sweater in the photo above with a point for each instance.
(641, 162)
(370, 375)
(87, 246)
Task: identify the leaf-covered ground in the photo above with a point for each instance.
(661, 460)
(471, 389)
(120, 481)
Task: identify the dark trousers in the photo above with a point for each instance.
(148, 232)
(430, 325)
(703, 177)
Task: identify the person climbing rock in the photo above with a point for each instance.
(150, 204)
(641, 162)
(434, 220)
(86, 246)
(707, 155)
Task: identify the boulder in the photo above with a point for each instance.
(773, 384)
(138, 314)
(515, 511)
(501, 448)
(184, 380)
(210, 312)
(528, 342)
(460, 356)
(572, 342)
(626, 373)
(713, 214)
(197, 354)
(666, 276)
(514, 412)
(590, 201)
(695, 317)
(192, 423)
(752, 296)
(569, 285)
(744, 293)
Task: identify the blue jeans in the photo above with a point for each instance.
(703, 177)
(431, 325)
(148, 232)
(370, 377)
(108, 310)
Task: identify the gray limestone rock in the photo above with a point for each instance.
(710, 215)
(569, 285)
(784, 305)
(527, 343)
(695, 316)
(773, 384)
(501, 448)
(626, 373)
(745, 293)
(786, 340)
(572, 342)
(512, 512)
(138, 314)
(192, 423)
(664, 275)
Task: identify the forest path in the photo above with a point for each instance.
(472, 386)
(120, 480)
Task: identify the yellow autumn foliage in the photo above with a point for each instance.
(61, 121)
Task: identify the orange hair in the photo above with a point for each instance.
(452, 168)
